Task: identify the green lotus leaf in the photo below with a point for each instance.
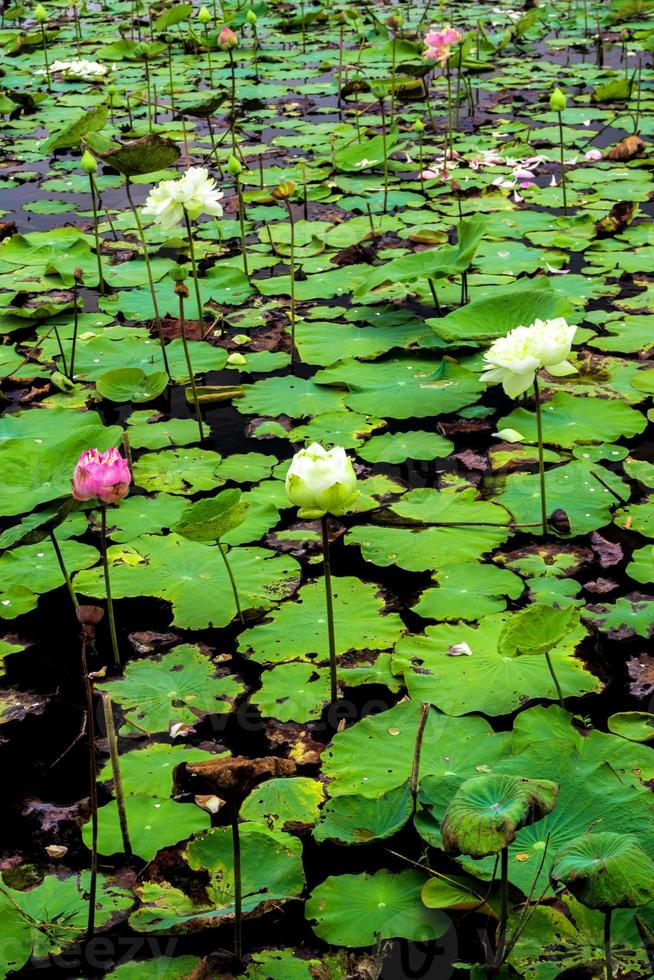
(213, 517)
(605, 871)
(131, 385)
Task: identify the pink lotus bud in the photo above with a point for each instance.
(227, 39)
(593, 155)
(521, 173)
(427, 174)
(101, 476)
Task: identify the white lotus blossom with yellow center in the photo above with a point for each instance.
(195, 192)
(514, 360)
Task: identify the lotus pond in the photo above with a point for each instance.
(327, 558)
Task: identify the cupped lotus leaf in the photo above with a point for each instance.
(486, 812)
(284, 803)
(456, 893)
(141, 156)
(536, 629)
(569, 420)
(375, 755)
(38, 525)
(298, 630)
(180, 686)
(487, 319)
(153, 823)
(359, 820)
(53, 915)
(75, 130)
(637, 726)
(461, 668)
(131, 385)
(192, 576)
(605, 871)
(359, 909)
(271, 870)
(209, 519)
(403, 388)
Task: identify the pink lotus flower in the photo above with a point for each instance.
(101, 476)
(427, 174)
(439, 43)
(227, 39)
(593, 155)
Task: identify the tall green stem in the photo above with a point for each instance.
(45, 58)
(238, 889)
(608, 957)
(232, 69)
(504, 906)
(563, 177)
(187, 356)
(115, 771)
(448, 75)
(107, 584)
(96, 235)
(148, 269)
(209, 66)
(330, 608)
(194, 267)
(241, 220)
(385, 152)
(550, 666)
(289, 210)
(93, 785)
(415, 768)
(541, 458)
(232, 580)
(63, 569)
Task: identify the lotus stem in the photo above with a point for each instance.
(148, 268)
(448, 76)
(434, 296)
(608, 959)
(107, 708)
(289, 209)
(45, 59)
(209, 66)
(555, 679)
(187, 356)
(238, 911)
(64, 570)
(170, 77)
(96, 235)
(330, 608)
(87, 633)
(385, 153)
(541, 457)
(232, 69)
(194, 267)
(241, 221)
(223, 551)
(61, 351)
(415, 769)
(458, 91)
(504, 905)
(563, 177)
(107, 584)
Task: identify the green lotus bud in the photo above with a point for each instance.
(234, 168)
(40, 13)
(319, 482)
(558, 101)
(237, 359)
(251, 17)
(203, 15)
(89, 164)
(178, 273)
(419, 126)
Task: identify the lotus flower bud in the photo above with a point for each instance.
(89, 164)
(179, 273)
(40, 14)
(558, 101)
(101, 476)
(283, 191)
(203, 15)
(251, 17)
(321, 482)
(234, 168)
(419, 126)
(227, 39)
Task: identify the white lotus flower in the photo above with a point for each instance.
(551, 343)
(509, 435)
(77, 68)
(194, 192)
(514, 360)
(320, 481)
